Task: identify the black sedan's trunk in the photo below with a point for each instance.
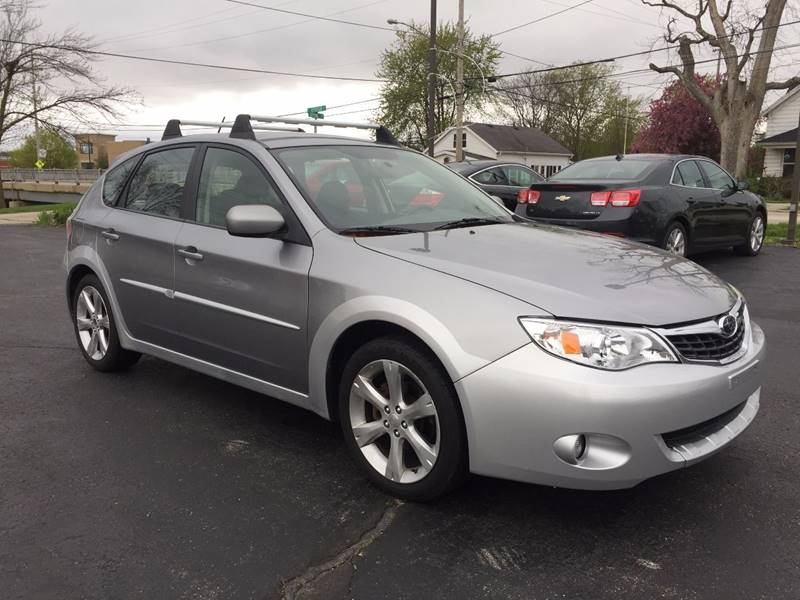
(572, 200)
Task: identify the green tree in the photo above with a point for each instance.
(404, 66)
(60, 154)
(579, 106)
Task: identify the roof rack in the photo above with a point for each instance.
(243, 128)
(173, 128)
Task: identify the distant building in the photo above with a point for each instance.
(98, 150)
(780, 138)
(525, 145)
(5, 160)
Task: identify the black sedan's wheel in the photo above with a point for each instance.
(675, 239)
(95, 328)
(755, 238)
(401, 420)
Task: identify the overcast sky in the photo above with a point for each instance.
(220, 32)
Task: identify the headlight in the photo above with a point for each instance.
(602, 346)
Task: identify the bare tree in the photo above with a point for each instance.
(736, 104)
(527, 101)
(47, 77)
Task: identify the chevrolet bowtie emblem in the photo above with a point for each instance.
(563, 198)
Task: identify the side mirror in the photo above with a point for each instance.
(742, 186)
(254, 220)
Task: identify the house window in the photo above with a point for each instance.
(789, 155)
(463, 139)
(86, 147)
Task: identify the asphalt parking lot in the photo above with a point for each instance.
(163, 483)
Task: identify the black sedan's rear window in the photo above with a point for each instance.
(605, 169)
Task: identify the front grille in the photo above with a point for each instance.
(710, 346)
(689, 435)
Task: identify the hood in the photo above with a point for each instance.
(568, 273)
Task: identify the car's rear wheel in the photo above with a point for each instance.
(755, 237)
(401, 419)
(676, 241)
(95, 328)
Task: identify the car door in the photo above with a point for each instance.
(702, 203)
(136, 242)
(241, 302)
(734, 209)
(494, 182)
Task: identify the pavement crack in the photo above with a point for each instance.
(293, 588)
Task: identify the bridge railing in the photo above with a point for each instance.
(51, 175)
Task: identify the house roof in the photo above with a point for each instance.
(509, 138)
(779, 102)
(788, 138)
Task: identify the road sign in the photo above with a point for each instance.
(315, 112)
(39, 164)
(42, 153)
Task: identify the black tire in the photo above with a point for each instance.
(673, 229)
(451, 466)
(115, 357)
(747, 248)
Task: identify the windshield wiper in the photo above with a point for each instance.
(378, 229)
(468, 222)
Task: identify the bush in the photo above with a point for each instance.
(55, 217)
(772, 189)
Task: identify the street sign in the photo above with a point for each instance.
(39, 164)
(42, 153)
(315, 112)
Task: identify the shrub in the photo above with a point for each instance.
(772, 189)
(55, 217)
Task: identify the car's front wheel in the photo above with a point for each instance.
(95, 328)
(676, 241)
(401, 419)
(755, 237)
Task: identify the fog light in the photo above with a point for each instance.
(571, 448)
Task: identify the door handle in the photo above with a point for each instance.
(110, 235)
(190, 253)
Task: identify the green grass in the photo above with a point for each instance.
(776, 234)
(35, 208)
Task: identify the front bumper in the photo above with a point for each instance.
(640, 422)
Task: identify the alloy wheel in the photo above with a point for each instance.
(676, 242)
(92, 320)
(394, 421)
(757, 234)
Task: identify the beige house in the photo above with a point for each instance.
(99, 150)
(780, 138)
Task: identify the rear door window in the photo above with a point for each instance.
(691, 175)
(493, 176)
(520, 176)
(115, 180)
(157, 186)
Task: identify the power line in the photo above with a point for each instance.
(260, 31)
(187, 63)
(539, 20)
(302, 112)
(317, 17)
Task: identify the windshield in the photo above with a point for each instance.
(604, 169)
(355, 187)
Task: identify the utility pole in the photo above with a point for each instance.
(791, 231)
(35, 114)
(432, 81)
(460, 85)
(625, 135)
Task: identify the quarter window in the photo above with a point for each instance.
(717, 177)
(158, 184)
(231, 179)
(115, 179)
(691, 175)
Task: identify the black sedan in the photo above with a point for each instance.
(680, 203)
(498, 178)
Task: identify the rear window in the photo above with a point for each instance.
(605, 169)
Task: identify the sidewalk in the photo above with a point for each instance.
(777, 212)
(18, 218)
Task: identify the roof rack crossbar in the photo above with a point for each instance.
(173, 128)
(382, 134)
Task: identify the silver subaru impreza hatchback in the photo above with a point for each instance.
(372, 286)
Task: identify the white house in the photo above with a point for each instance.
(780, 138)
(524, 145)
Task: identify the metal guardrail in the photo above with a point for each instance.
(51, 175)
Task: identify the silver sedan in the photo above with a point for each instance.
(370, 285)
